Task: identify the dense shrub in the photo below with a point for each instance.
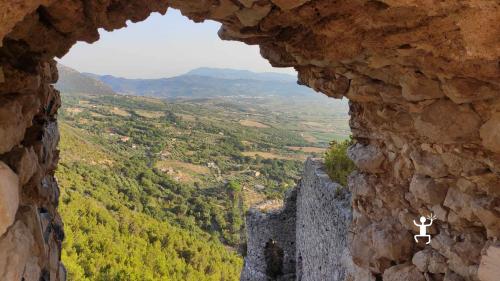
(338, 165)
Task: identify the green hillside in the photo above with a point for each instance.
(111, 236)
(72, 81)
(157, 190)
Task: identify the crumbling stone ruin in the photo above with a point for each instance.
(271, 242)
(311, 229)
(422, 77)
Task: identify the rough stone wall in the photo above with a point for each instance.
(31, 230)
(313, 227)
(423, 78)
(323, 220)
(270, 226)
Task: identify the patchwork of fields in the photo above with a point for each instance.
(190, 168)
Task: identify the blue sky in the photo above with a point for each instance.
(164, 46)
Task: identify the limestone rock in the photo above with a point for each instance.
(429, 260)
(366, 157)
(25, 163)
(62, 272)
(490, 133)
(14, 11)
(403, 272)
(462, 90)
(16, 247)
(446, 122)
(489, 270)
(451, 276)
(454, 200)
(361, 185)
(417, 87)
(9, 197)
(32, 270)
(391, 241)
(252, 17)
(486, 209)
(27, 166)
(377, 244)
(361, 250)
(247, 3)
(289, 4)
(224, 10)
(429, 164)
(13, 122)
(428, 190)
(440, 212)
(459, 165)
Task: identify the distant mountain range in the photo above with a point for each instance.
(198, 83)
(227, 73)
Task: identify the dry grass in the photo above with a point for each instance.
(252, 123)
(271, 155)
(247, 143)
(199, 169)
(149, 100)
(187, 117)
(149, 114)
(95, 114)
(307, 149)
(309, 138)
(316, 126)
(269, 206)
(74, 110)
(181, 171)
(252, 197)
(119, 112)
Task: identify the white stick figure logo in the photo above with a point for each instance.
(423, 227)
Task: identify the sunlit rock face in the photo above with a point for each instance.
(423, 78)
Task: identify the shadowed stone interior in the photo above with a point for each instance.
(423, 79)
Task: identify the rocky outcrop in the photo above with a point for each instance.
(489, 270)
(423, 81)
(9, 196)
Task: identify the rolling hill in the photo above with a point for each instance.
(71, 81)
(227, 73)
(197, 83)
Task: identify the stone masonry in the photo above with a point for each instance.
(422, 77)
(275, 226)
(324, 218)
(313, 229)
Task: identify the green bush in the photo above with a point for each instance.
(338, 165)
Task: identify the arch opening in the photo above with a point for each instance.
(411, 156)
(180, 149)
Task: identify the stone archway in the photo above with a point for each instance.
(423, 78)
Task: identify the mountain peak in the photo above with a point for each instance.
(235, 74)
